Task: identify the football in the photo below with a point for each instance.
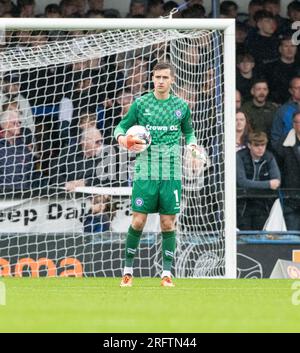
(142, 133)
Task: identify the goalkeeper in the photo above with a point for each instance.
(157, 176)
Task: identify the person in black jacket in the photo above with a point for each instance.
(256, 169)
(77, 164)
(288, 151)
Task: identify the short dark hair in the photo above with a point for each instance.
(256, 3)
(261, 14)
(284, 37)
(258, 137)
(170, 5)
(226, 5)
(259, 80)
(244, 56)
(297, 112)
(294, 6)
(52, 8)
(21, 3)
(164, 66)
(292, 80)
(273, 2)
(195, 11)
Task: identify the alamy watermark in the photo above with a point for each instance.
(296, 34)
(2, 293)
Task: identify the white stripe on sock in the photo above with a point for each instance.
(128, 271)
(166, 274)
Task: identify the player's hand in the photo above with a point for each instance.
(274, 184)
(197, 159)
(198, 153)
(131, 143)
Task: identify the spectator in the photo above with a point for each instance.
(155, 8)
(289, 157)
(241, 32)
(246, 74)
(11, 93)
(81, 4)
(282, 122)
(26, 132)
(273, 6)
(80, 97)
(256, 169)
(194, 11)
(68, 8)
(94, 14)
(16, 159)
(238, 100)
(228, 9)
(253, 7)
(263, 45)
(293, 11)
(169, 6)
(38, 38)
(242, 130)
(137, 8)
(95, 5)
(7, 7)
(259, 110)
(283, 70)
(26, 8)
(77, 164)
(86, 121)
(111, 13)
(52, 11)
(137, 77)
(99, 216)
(122, 102)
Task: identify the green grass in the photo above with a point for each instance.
(100, 305)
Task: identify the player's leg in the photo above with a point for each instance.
(133, 239)
(132, 243)
(144, 201)
(167, 224)
(170, 193)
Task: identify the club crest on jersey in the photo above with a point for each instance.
(178, 113)
(139, 201)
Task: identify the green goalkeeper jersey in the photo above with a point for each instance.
(166, 120)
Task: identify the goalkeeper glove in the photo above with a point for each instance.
(131, 143)
(197, 152)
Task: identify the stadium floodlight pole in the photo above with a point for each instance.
(227, 26)
(215, 8)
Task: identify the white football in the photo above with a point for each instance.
(142, 133)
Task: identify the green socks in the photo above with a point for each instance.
(132, 243)
(168, 248)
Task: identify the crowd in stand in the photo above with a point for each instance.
(44, 123)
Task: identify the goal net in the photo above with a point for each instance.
(66, 185)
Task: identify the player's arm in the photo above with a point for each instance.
(128, 142)
(188, 130)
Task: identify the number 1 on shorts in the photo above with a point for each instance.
(176, 196)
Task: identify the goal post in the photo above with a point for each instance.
(48, 62)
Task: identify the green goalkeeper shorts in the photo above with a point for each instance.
(156, 196)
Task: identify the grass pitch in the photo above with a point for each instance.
(194, 305)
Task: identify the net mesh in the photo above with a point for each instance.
(65, 184)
